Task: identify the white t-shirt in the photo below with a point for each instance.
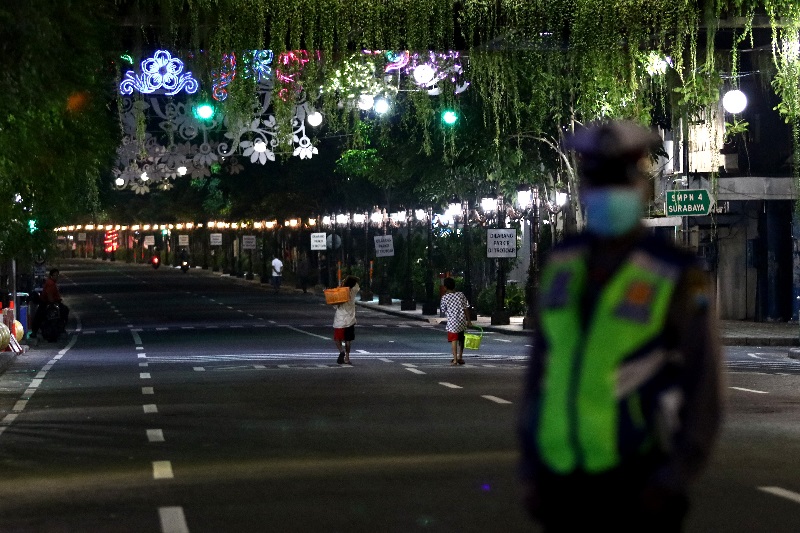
(345, 315)
(277, 267)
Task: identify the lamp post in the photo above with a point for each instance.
(385, 297)
(430, 305)
(467, 258)
(500, 315)
(408, 303)
(528, 201)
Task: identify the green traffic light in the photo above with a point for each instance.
(204, 111)
(449, 117)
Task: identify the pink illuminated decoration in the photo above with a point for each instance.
(290, 65)
(397, 60)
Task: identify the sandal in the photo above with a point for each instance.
(460, 361)
(340, 359)
(453, 362)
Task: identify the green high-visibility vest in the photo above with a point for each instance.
(593, 371)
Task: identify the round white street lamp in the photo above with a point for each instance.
(734, 101)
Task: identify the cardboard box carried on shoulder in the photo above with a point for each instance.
(336, 296)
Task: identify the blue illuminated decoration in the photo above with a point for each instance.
(160, 73)
(258, 66)
(262, 59)
(223, 77)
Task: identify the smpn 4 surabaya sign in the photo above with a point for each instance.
(687, 203)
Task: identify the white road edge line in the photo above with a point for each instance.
(172, 520)
(495, 399)
(782, 493)
(749, 390)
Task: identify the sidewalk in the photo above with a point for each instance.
(734, 332)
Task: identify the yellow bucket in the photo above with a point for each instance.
(472, 341)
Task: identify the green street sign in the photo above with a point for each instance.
(690, 202)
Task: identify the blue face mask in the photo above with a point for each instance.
(612, 211)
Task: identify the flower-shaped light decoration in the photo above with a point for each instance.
(396, 60)
(234, 165)
(139, 186)
(205, 155)
(199, 171)
(161, 74)
(304, 149)
(165, 185)
(258, 151)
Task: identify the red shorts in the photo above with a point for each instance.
(344, 334)
(451, 336)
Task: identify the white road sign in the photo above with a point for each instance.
(216, 239)
(248, 242)
(384, 246)
(149, 240)
(318, 243)
(501, 243)
(183, 240)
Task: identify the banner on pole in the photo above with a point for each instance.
(501, 243)
(384, 246)
(318, 243)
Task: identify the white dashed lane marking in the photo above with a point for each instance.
(162, 470)
(782, 493)
(150, 408)
(155, 435)
(172, 520)
(495, 399)
(449, 385)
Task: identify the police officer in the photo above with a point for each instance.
(623, 398)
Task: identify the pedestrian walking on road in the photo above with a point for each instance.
(277, 272)
(624, 392)
(455, 307)
(344, 322)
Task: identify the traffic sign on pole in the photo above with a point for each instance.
(688, 202)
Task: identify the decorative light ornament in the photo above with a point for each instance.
(182, 171)
(259, 146)
(119, 182)
(381, 106)
(376, 217)
(449, 117)
(314, 119)
(734, 101)
(424, 74)
(160, 73)
(524, 198)
(204, 111)
(365, 102)
(144, 176)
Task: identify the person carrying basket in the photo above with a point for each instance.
(455, 307)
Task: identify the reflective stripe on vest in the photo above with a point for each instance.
(579, 416)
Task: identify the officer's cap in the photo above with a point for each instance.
(611, 152)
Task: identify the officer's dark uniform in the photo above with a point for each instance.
(623, 395)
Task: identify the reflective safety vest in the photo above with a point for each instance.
(604, 371)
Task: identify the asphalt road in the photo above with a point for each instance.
(188, 402)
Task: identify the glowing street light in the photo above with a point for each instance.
(734, 101)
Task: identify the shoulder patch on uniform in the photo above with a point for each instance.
(637, 302)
